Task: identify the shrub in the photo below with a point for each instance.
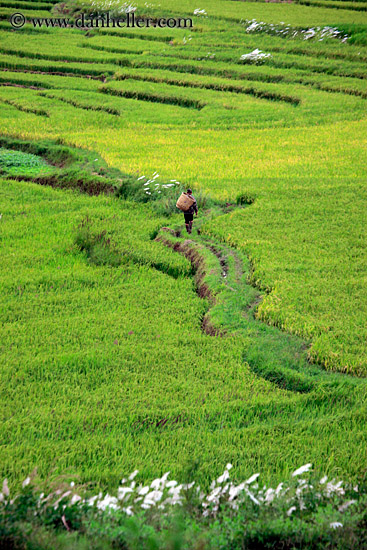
(302, 512)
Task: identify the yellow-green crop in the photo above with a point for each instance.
(105, 368)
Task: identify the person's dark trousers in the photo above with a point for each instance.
(188, 221)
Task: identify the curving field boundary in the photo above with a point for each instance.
(221, 276)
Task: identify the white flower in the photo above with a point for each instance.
(302, 470)
(174, 493)
(223, 477)
(309, 34)
(332, 487)
(188, 485)
(269, 495)
(5, 488)
(66, 494)
(200, 12)
(252, 496)
(346, 505)
(108, 502)
(162, 494)
(75, 499)
(92, 500)
(172, 483)
(175, 499)
(252, 479)
(213, 495)
(160, 482)
(153, 497)
(26, 482)
(255, 55)
(235, 491)
(123, 491)
(253, 26)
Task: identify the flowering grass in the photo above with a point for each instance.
(301, 512)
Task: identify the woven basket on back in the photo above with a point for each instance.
(184, 202)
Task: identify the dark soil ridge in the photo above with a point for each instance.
(74, 168)
(278, 357)
(222, 274)
(187, 248)
(192, 253)
(15, 85)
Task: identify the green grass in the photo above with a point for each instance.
(120, 349)
(105, 367)
(16, 163)
(299, 513)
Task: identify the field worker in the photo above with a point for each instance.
(189, 214)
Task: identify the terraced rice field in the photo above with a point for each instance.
(118, 352)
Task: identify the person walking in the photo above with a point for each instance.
(189, 214)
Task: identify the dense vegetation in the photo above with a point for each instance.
(301, 512)
(105, 364)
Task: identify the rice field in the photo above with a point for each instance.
(105, 366)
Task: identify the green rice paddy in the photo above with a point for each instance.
(105, 366)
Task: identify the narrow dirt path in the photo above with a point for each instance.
(221, 274)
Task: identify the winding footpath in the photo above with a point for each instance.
(221, 274)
